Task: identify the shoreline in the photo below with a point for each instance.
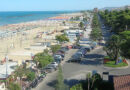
(18, 45)
(24, 26)
(44, 19)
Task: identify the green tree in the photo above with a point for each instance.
(125, 49)
(60, 80)
(77, 87)
(95, 81)
(85, 19)
(62, 38)
(112, 47)
(125, 46)
(14, 86)
(88, 80)
(81, 25)
(20, 72)
(55, 48)
(30, 76)
(46, 51)
(125, 35)
(95, 21)
(119, 21)
(96, 34)
(43, 59)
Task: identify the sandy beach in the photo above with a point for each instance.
(16, 43)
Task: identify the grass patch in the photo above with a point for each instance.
(112, 64)
(107, 57)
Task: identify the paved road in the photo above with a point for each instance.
(76, 71)
(49, 82)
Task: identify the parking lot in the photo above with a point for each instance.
(49, 82)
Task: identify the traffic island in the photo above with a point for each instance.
(109, 63)
(113, 65)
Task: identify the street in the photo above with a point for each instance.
(77, 71)
(49, 82)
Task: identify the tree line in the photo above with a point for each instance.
(96, 33)
(93, 82)
(118, 44)
(119, 21)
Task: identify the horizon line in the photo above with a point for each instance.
(42, 10)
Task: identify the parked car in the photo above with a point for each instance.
(75, 47)
(59, 57)
(50, 68)
(76, 58)
(60, 52)
(93, 45)
(83, 52)
(55, 64)
(64, 49)
(87, 49)
(40, 79)
(34, 83)
(57, 60)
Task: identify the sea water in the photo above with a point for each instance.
(22, 16)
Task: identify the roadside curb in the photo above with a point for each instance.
(117, 67)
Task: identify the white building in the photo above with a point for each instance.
(7, 69)
(37, 47)
(73, 32)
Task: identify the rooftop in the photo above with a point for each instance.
(10, 68)
(122, 82)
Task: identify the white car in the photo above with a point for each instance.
(58, 56)
(54, 64)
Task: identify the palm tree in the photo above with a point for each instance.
(20, 72)
(88, 77)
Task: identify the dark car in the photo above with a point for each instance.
(50, 69)
(60, 52)
(65, 49)
(76, 58)
(34, 83)
(58, 57)
(75, 47)
(87, 49)
(40, 79)
(57, 60)
(84, 52)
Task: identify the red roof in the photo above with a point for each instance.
(122, 82)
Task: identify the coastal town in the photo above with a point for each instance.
(82, 50)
